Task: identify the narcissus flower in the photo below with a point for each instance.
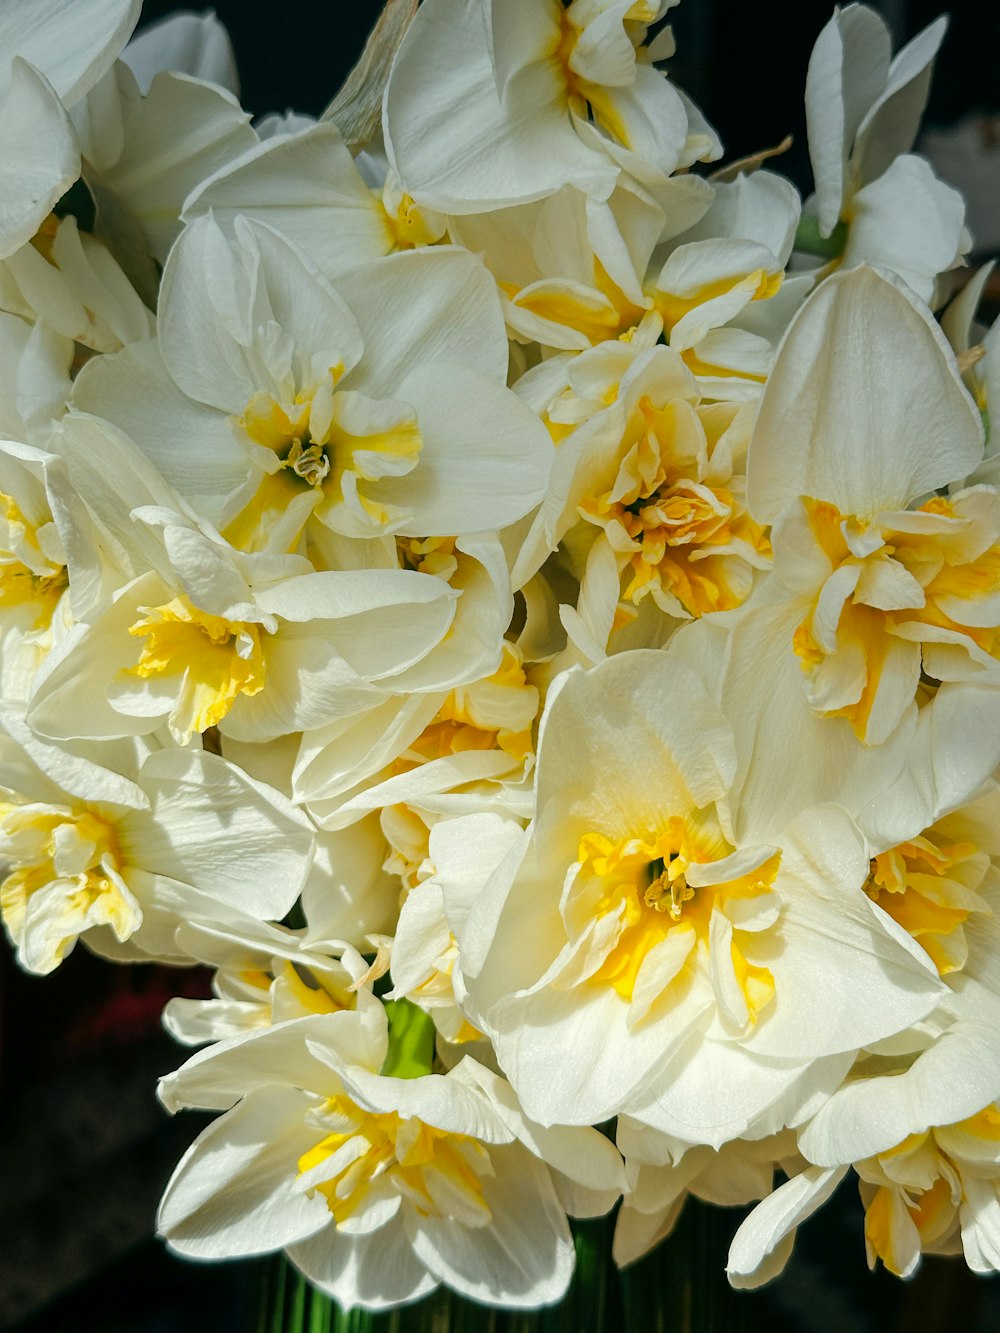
(665, 970)
(852, 440)
(541, 95)
(378, 1187)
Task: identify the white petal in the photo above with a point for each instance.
(211, 827)
(72, 42)
(612, 758)
(435, 304)
(892, 122)
(847, 71)
(864, 406)
(234, 1190)
(375, 1270)
(306, 187)
(39, 153)
(523, 1257)
(485, 459)
(954, 1078)
(175, 136)
(910, 222)
(768, 1232)
(195, 44)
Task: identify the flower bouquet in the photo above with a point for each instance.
(525, 612)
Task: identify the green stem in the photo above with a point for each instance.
(411, 1040)
(808, 240)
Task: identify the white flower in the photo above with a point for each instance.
(658, 474)
(638, 960)
(863, 111)
(370, 410)
(377, 1187)
(264, 974)
(68, 280)
(117, 836)
(922, 1137)
(570, 268)
(259, 645)
(56, 564)
(538, 96)
(855, 430)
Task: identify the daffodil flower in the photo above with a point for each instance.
(668, 971)
(378, 1187)
(118, 842)
(541, 95)
(892, 578)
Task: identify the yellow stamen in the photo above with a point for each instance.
(408, 1154)
(218, 659)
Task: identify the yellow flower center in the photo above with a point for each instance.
(217, 660)
(428, 555)
(497, 713)
(334, 452)
(927, 886)
(637, 890)
(27, 576)
(759, 284)
(73, 858)
(936, 578)
(409, 225)
(437, 1172)
(682, 539)
(21, 586)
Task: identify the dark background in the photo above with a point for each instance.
(87, 1148)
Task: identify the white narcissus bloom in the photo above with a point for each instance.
(701, 985)
(863, 111)
(376, 408)
(259, 645)
(855, 432)
(922, 1136)
(943, 879)
(125, 836)
(377, 1187)
(417, 747)
(69, 281)
(265, 974)
(540, 95)
(425, 958)
(650, 487)
(570, 268)
(52, 52)
(57, 566)
(720, 288)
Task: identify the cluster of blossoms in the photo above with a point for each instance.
(525, 610)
